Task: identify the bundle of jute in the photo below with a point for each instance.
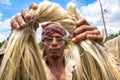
(93, 62)
(22, 58)
(114, 51)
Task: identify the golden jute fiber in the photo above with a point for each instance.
(22, 59)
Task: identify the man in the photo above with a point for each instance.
(82, 29)
(54, 42)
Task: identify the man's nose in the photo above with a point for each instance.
(54, 42)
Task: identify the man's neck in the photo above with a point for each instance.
(56, 63)
(57, 68)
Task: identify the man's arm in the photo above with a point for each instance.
(82, 30)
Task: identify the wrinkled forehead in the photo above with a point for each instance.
(55, 35)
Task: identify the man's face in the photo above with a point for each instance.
(54, 45)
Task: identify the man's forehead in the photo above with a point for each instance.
(55, 35)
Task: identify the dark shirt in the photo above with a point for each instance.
(1, 57)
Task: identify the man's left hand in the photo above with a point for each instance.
(83, 30)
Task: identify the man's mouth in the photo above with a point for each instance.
(54, 50)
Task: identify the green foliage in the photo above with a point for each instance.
(1, 43)
(113, 36)
(69, 43)
(40, 45)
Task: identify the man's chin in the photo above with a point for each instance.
(55, 57)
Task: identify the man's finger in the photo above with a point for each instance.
(81, 22)
(33, 6)
(14, 24)
(25, 14)
(95, 31)
(20, 21)
(82, 29)
(97, 38)
(79, 37)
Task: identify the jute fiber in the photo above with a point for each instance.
(22, 59)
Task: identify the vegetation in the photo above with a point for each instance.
(40, 44)
(69, 43)
(1, 43)
(113, 36)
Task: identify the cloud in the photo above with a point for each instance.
(5, 2)
(38, 34)
(4, 29)
(111, 13)
(0, 15)
(91, 12)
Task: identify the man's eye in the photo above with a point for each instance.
(59, 39)
(48, 39)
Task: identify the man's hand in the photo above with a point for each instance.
(83, 30)
(19, 21)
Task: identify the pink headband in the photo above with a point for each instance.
(52, 27)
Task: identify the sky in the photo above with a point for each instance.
(89, 9)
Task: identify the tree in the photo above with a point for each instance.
(113, 36)
(1, 43)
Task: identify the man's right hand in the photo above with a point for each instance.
(19, 21)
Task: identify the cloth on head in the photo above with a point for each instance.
(52, 27)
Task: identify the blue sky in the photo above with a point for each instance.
(89, 9)
(14, 6)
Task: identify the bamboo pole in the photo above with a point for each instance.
(103, 18)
